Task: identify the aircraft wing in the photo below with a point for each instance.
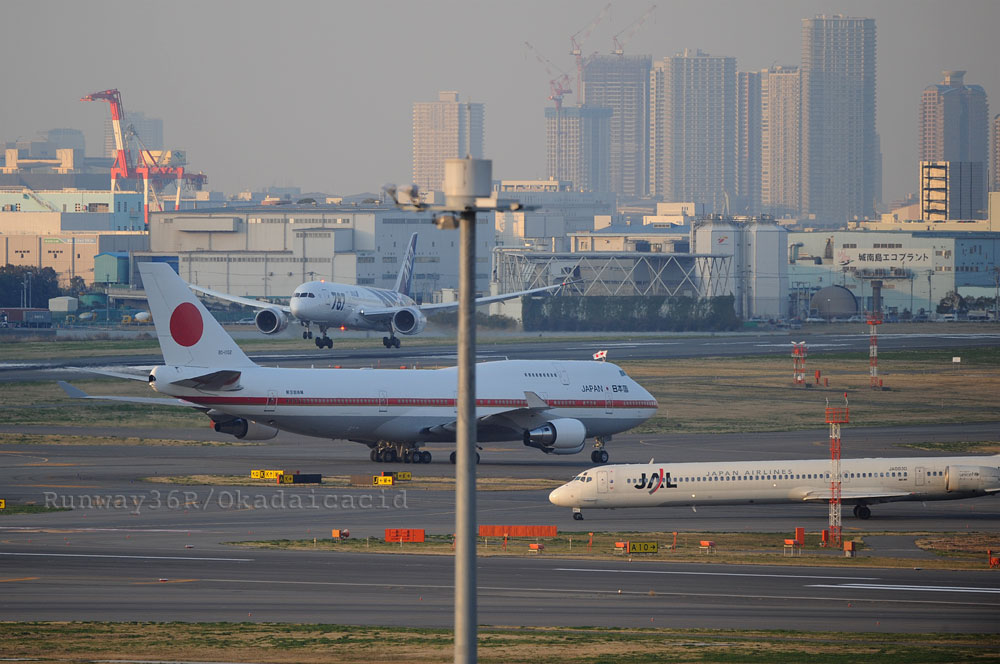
(144, 377)
(77, 393)
(522, 417)
(848, 495)
(489, 299)
(245, 301)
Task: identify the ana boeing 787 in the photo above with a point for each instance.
(331, 305)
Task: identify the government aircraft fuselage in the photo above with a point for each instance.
(863, 482)
(553, 406)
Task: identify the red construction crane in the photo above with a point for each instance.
(631, 30)
(577, 49)
(122, 165)
(559, 85)
(154, 174)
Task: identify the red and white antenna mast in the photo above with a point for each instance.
(835, 417)
(874, 320)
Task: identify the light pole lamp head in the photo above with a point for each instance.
(466, 180)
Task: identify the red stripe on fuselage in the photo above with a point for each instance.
(403, 401)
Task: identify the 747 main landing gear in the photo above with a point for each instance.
(862, 512)
(599, 455)
(390, 342)
(394, 453)
(454, 456)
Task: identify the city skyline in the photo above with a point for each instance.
(330, 109)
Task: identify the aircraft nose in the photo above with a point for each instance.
(562, 496)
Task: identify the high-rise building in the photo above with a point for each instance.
(693, 129)
(954, 121)
(781, 141)
(577, 143)
(839, 145)
(445, 129)
(995, 155)
(748, 143)
(149, 131)
(952, 190)
(621, 83)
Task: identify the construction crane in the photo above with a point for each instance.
(122, 165)
(576, 49)
(559, 85)
(619, 44)
(156, 169)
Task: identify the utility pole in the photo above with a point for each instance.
(996, 295)
(468, 185)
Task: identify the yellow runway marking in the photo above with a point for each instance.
(23, 578)
(61, 486)
(50, 463)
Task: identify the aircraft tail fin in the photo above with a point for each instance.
(189, 335)
(404, 280)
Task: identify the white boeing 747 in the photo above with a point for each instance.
(863, 482)
(332, 305)
(553, 406)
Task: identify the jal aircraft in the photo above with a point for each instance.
(552, 406)
(864, 482)
(345, 306)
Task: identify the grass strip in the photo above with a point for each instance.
(313, 643)
(959, 550)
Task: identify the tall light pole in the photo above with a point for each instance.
(468, 185)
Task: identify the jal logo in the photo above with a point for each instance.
(654, 482)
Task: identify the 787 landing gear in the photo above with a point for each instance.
(323, 341)
(390, 342)
(599, 455)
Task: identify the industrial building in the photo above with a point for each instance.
(916, 269)
(558, 211)
(715, 256)
(66, 229)
(267, 251)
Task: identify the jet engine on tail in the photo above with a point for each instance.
(562, 436)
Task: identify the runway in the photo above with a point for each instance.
(135, 550)
(522, 347)
(416, 591)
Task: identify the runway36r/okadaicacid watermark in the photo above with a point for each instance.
(227, 499)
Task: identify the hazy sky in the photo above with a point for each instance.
(319, 94)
